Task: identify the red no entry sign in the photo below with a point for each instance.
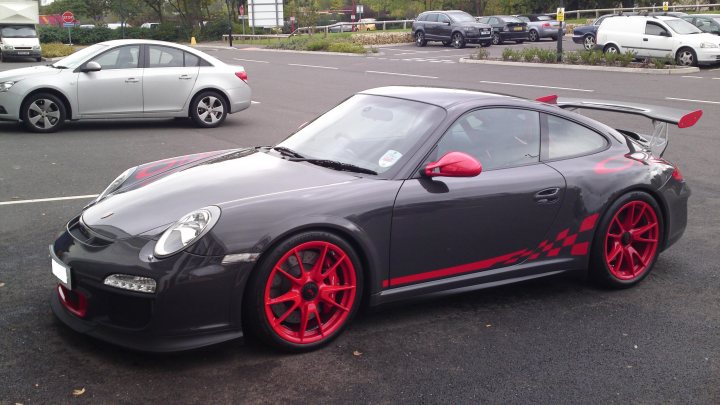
(68, 17)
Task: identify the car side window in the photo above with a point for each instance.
(497, 137)
(654, 29)
(524, 18)
(483, 20)
(443, 18)
(422, 18)
(567, 139)
(433, 17)
(191, 60)
(494, 21)
(599, 21)
(122, 57)
(164, 56)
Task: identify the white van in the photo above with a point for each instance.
(659, 37)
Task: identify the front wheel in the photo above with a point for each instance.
(43, 112)
(208, 109)
(458, 41)
(420, 39)
(496, 40)
(627, 241)
(686, 57)
(305, 292)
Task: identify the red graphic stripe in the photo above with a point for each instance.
(588, 223)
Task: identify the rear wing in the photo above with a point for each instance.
(660, 116)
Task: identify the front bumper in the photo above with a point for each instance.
(477, 37)
(21, 53)
(10, 105)
(197, 302)
(708, 56)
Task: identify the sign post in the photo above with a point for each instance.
(68, 21)
(666, 5)
(560, 17)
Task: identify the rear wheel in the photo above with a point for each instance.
(420, 39)
(588, 42)
(304, 292)
(43, 112)
(627, 241)
(208, 109)
(611, 49)
(534, 36)
(686, 57)
(496, 40)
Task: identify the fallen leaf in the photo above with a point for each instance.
(357, 353)
(79, 392)
(488, 325)
(2, 284)
(635, 346)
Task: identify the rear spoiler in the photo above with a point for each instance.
(661, 116)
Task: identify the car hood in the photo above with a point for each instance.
(24, 73)
(21, 41)
(148, 208)
(700, 38)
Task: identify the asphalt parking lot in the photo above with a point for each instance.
(551, 341)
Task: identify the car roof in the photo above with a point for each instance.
(442, 97)
(118, 42)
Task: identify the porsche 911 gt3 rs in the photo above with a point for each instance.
(395, 193)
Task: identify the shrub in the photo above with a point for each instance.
(165, 32)
(626, 58)
(347, 47)
(547, 55)
(528, 54)
(658, 63)
(482, 53)
(610, 58)
(56, 50)
(510, 54)
(571, 57)
(318, 45)
(382, 38)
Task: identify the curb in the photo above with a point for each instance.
(306, 52)
(673, 71)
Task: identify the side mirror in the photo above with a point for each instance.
(92, 67)
(454, 164)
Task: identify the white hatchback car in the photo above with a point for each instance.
(124, 79)
(659, 37)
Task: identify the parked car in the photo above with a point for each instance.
(541, 26)
(366, 24)
(659, 37)
(709, 23)
(124, 79)
(114, 26)
(340, 27)
(586, 34)
(453, 27)
(506, 28)
(87, 26)
(285, 243)
(149, 25)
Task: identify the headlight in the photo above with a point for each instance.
(116, 183)
(7, 47)
(187, 230)
(36, 47)
(470, 29)
(5, 86)
(708, 45)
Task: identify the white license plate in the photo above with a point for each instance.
(23, 53)
(61, 271)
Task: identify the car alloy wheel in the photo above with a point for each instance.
(496, 39)
(589, 42)
(534, 37)
(209, 109)
(611, 49)
(458, 41)
(43, 113)
(631, 241)
(686, 57)
(420, 39)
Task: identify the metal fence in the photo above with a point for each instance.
(682, 7)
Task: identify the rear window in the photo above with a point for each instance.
(512, 19)
(544, 18)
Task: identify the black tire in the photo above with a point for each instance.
(520, 41)
(600, 271)
(588, 42)
(533, 36)
(458, 40)
(38, 59)
(254, 301)
(208, 109)
(420, 39)
(686, 57)
(496, 39)
(43, 113)
(447, 43)
(611, 49)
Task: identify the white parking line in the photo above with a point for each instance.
(400, 74)
(692, 101)
(251, 60)
(313, 66)
(254, 102)
(75, 197)
(693, 77)
(716, 78)
(538, 86)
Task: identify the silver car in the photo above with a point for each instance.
(124, 79)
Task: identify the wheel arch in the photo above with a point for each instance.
(605, 45)
(55, 92)
(209, 88)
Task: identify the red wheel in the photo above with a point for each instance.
(306, 291)
(628, 241)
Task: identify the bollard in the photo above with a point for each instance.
(192, 41)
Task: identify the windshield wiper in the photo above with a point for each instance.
(58, 66)
(334, 164)
(288, 152)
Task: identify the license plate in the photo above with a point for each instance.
(60, 270)
(486, 32)
(23, 53)
(518, 28)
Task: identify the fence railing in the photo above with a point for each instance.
(680, 7)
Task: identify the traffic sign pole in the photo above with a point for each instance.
(560, 17)
(68, 21)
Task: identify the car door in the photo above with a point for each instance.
(116, 88)
(657, 41)
(168, 79)
(444, 28)
(431, 26)
(445, 226)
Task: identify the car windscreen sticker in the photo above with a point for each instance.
(389, 158)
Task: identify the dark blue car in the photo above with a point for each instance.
(585, 35)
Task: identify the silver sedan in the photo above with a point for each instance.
(124, 79)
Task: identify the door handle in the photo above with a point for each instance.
(185, 77)
(645, 39)
(132, 80)
(548, 195)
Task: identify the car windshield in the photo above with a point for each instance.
(682, 27)
(18, 32)
(462, 17)
(717, 19)
(371, 132)
(79, 57)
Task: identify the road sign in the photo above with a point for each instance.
(68, 25)
(360, 9)
(666, 6)
(68, 17)
(560, 14)
(241, 10)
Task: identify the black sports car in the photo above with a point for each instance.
(394, 193)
